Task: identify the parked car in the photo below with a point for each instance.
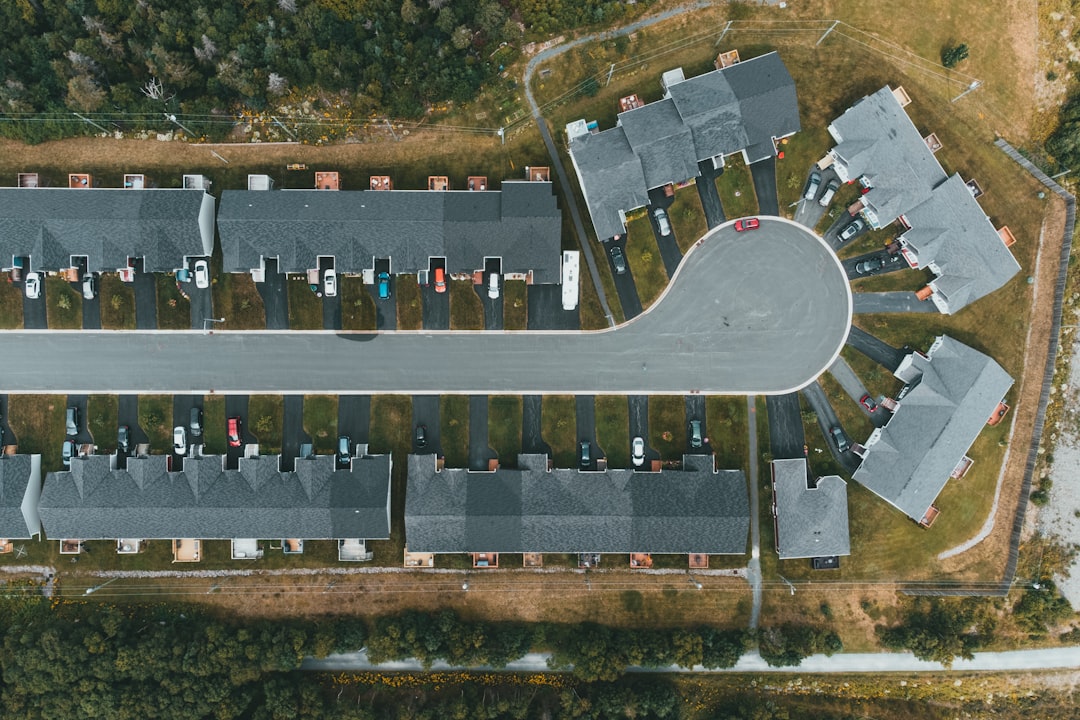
(329, 283)
(123, 439)
(812, 185)
(747, 224)
(179, 440)
(440, 280)
(195, 423)
(662, 221)
(637, 451)
(493, 286)
(695, 434)
(868, 402)
(841, 440)
(384, 286)
(344, 449)
(421, 436)
(89, 286)
(72, 421)
(33, 285)
(585, 454)
(234, 427)
(830, 190)
(618, 260)
(871, 266)
(202, 274)
(851, 230)
(68, 452)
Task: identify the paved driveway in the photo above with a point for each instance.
(877, 350)
(493, 307)
(425, 411)
(531, 439)
(624, 283)
(710, 198)
(670, 253)
(202, 305)
(893, 263)
(545, 310)
(354, 417)
(292, 431)
(128, 414)
(809, 212)
(853, 386)
(5, 429)
(275, 296)
(80, 401)
(786, 436)
(585, 410)
(145, 286)
(639, 424)
(435, 308)
(827, 419)
(34, 314)
(479, 452)
(181, 416)
(695, 410)
(237, 405)
(890, 302)
(764, 174)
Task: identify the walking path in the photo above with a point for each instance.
(753, 569)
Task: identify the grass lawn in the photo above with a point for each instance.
(117, 303)
(320, 421)
(801, 150)
(238, 301)
(11, 306)
(613, 429)
(391, 432)
(63, 304)
(173, 309)
(726, 423)
(504, 427)
(265, 415)
(687, 217)
(454, 429)
(305, 307)
(410, 309)
(515, 305)
(214, 424)
(357, 305)
(466, 311)
(852, 418)
(155, 418)
(878, 381)
(869, 241)
(38, 424)
(736, 189)
(818, 446)
(643, 257)
(845, 196)
(558, 427)
(667, 426)
(901, 280)
(101, 420)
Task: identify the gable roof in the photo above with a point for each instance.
(661, 141)
(532, 509)
(950, 396)
(20, 479)
(94, 501)
(611, 178)
(767, 102)
(108, 226)
(520, 223)
(811, 520)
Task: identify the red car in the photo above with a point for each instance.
(234, 432)
(868, 403)
(747, 224)
(440, 280)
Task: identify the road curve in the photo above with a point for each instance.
(758, 312)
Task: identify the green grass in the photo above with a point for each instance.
(613, 429)
(101, 420)
(391, 432)
(410, 308)
(63, 304)
(667, 426)
(117, 303)
(736, 179)
(305, 307)
(38, 424)
(855, 422)
(879, 382)
(643, 257)
(869, 242)
(454, 429)
(726, 421)
(466, 311)
(155, 418)
(320, 421)
(357, 305)
(801, 150)
(845, 196)
(515, 305)
(265, 416)
(818, 446)
(11, 306)
(687, 217)
(558, 427)
(238, 301)
(214, 424)
(173, 309)
(504, 427)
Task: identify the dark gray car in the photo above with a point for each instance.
(618, 260)
(195, 425)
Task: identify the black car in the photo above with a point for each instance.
(870, 266)
(840, 438)
(344, 450)
(421, 436)
(585, 450)
(618, 260)
(123, 439)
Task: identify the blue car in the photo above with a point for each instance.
(384, 286)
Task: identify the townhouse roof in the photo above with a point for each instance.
(521, 223)
(811, 517)
(767, 102)
(107, 226)
(93, 500)
(534, 509)
(662, 142)
(951, 394)
(19, 477)
(611, 177)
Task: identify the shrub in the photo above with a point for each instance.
(952, 55)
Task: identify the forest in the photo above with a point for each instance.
(198, 59)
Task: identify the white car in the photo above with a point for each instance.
(493, 286)
(33, 285)
(89, 287)
(179, 440)
(202, 274)
(638, 452)
(329, 283)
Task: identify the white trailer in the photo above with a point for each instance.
(570, 261)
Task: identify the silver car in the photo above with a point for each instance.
(662, 222)
(851, 230)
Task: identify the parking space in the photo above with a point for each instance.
(145, 288)
(35, 316)
(695, 411)
(624, 281)
(83, 437)
(385, 308)
(91, 308)
(827, 419)
(6, 436)
(479, 452)
(274, 292)
(845, 219)
(292, 431)
(331, 304)
(585, 411)
(546, 311)
(128, 414)
(786, 436)
(667, 244)
(425, 412)
(354, 417)
(710, 198)
(435, 304)
(890, 302)
(237, 406)
(493, 306)
(878, 262)
(532, 441)
(810, 210)
(638, 406)
(764, 174)
(181, 418)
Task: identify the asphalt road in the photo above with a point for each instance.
(275, 296)
(764, 174)
(738, 318)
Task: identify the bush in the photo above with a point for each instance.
(952, 55)
(787, 645)
(939, 629)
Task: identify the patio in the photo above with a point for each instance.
(246, 549)
(353, 550)
(533, 560)
(70, 547)
(640, 561)
(292, 546)
(415, 560)
(126, 546)
(485, 560)
(187, 550)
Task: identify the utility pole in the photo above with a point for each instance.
(973, 86)
(391, 129)
(172, 118)
(278, 123)
(86, 119)
(831, 28)
(721, 38)
(609, 72)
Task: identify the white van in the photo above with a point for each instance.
(493, 286)
(830, 190)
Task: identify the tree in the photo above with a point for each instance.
(1041, 605)
(84, 93)
(940, 629)
(787, 645)
(952, 55)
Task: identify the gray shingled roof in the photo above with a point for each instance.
(50, 225)
(20, 479)
(93, 501)
(954, 394)
(520, 223)
(811, 521)
(532, 509)
(741, 107)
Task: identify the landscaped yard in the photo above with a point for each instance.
(305, 307)
(265, 416)
(613, 429)
(38, 424)
(558, 427)
(801, 151)
(466, 311)
(667, 426)
(357, 305)
(238, 301)
(643, 257)
(879, 382)
(63, 304)
(117, 303)
(855, 422)
(410, 310)
(504, 427)
(155, 418)
(906, 279)
(454, 429)
(101, 421)
(515, 305)
(726, 423)
(320, 421)
(11, 306)
(736, 189)
(214, 424)
(687, 217)
(173, 309)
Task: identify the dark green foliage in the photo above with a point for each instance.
(952, 55)
(941, 629)
(547, 17)
(444, 636)
(1039, 607)
(645, 699)
(787, 645)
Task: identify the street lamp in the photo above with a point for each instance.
(94, 589)
(206, 323)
